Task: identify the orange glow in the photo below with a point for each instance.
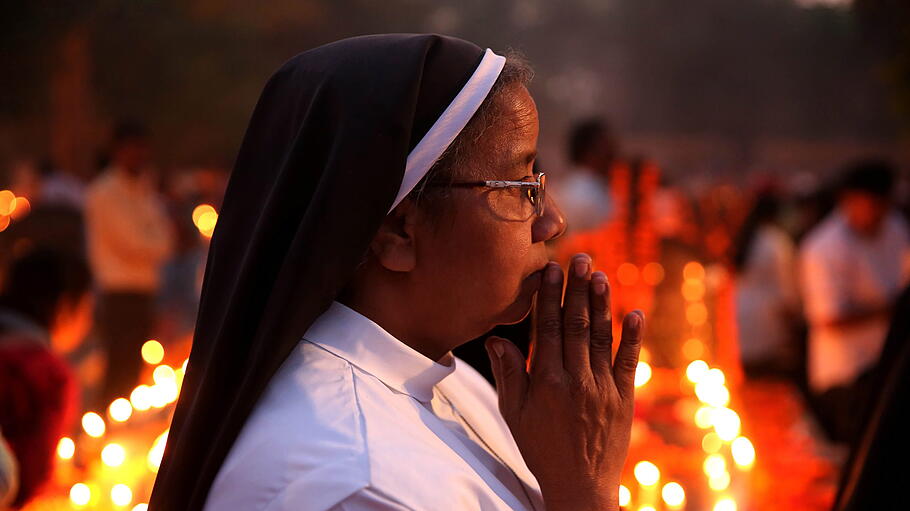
(93, 424)
(4, 223)
(646, 473)
(711, 443)
(66, 448)
(204, 218)
(693, 290)
(693, 349)
(120, 409)
(21, 207)
(7, 202)
(697, 314)
(652, 274)
(693, 270)
(627, 273)
(152, 352)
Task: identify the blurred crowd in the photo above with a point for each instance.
(806, 271)
(97, 267)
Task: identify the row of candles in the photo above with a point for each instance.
(721, 443)
(115, 468)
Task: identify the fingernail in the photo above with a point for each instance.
(635, 320)
(554, 272)
(581, 266)
(599, 287)
(497, 348)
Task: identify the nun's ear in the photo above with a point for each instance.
(393, 246)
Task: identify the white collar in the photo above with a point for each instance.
(355, 338)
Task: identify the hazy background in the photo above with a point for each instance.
(704, 87)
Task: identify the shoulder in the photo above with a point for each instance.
(829, 234)
(304, 437)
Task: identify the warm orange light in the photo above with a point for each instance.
(4, 223)
(121, 495)
(693, 348)
(157, 452)
(625, 496)
(696, 314)
(646, 473)
(140, 507)
(164, 373)
(66, 448)
(141, 398)
(120, 409)
(743, 452)
(113, 455)
(652, 274)
(93, 424)
(673, 495)
(80, 494)
(697, 370)
(703, 417)
(627, 273)
(693, 290)
(152, 352)
(726, 424)
(204, 218)
(711, 443)
(21, 207)
(720, 482)
(693, 270)
(725, 504)
(712, 395)
(7, 202)
(642, 374)
(715, 465)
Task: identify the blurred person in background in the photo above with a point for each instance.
(767, 297)
(585, 189)
(9, 475)
(60, 187)
(46, 302)
(852, 266)
(129, 238)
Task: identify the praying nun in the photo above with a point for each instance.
(385, 208)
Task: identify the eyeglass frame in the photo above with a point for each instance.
(540, 184)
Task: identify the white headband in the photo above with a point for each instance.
(450, 123)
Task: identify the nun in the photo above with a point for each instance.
(384, 209)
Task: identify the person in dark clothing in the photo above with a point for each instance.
(46, 300)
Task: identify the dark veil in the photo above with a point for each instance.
(320, 166)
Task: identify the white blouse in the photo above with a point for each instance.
(357, 420)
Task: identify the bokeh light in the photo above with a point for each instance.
(743, 452)
(66, 448)
(113, 455)
(152, 352)
(93, 424)
(80, 494)
(642, 374)
(120, 410)
(121, 495)
(673, 494)
(646, 473)
(625, 496)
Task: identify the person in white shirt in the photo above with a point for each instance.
(767, 295)
(853, 265)
(129, 237)
(383, 210)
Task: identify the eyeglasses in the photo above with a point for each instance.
(534, 190)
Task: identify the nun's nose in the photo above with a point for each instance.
(551, 225)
